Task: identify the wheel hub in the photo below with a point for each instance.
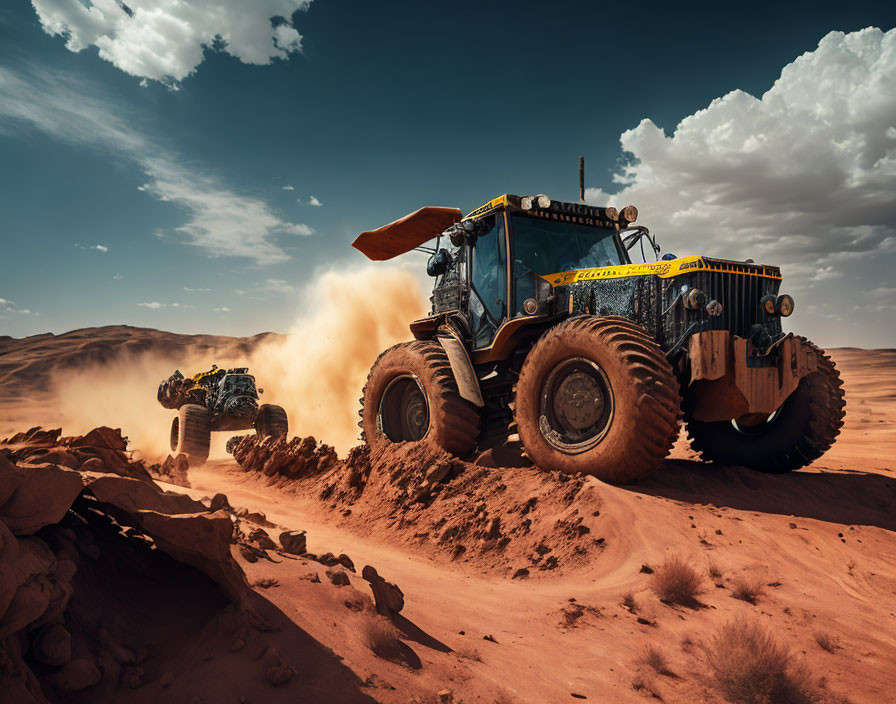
(404, 411)
(576, 405)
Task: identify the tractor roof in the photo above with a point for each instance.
(427, 223)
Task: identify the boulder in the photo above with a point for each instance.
(293, 541)
(33, 497)
(77, 675)
(53, 645)
(388, 598)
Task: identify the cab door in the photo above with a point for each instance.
(488, 281)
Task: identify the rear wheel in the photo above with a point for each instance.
(191, 433)
(597, 396)
(411, 396)
(797, 434)
(271, 421)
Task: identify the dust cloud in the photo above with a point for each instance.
(316, 371)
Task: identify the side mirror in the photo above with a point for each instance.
(438, 263)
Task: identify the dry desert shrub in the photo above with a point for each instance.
(646, 686)
(656, 660)
(628, 601)
(715, 572)
(382, 638)
(676, 582)
(749, 666)
(746, 589)
(468, 652)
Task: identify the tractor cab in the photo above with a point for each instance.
(503, 253)
(493, 266)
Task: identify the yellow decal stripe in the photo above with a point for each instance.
(663, 269)
(491, 205)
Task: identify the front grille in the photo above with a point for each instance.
(740, 295)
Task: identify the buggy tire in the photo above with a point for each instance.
(797, 434)
(411, 396)
(620, 422)
(271, 421)
(191, 433)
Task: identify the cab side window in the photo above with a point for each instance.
(488, 278)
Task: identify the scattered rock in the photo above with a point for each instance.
(338, 576)
(133, 677)
(260, 538)
(293, 541)
(387, 597)
(53, 645)
(77, 675)
(521, 573)
(279, 674)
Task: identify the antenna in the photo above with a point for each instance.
(581, 179)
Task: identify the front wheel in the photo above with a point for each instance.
(596, 395)
(794, 436)
(271, 421)
(411, 396)
(191, 433)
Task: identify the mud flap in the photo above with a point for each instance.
(461, 367)
(727, 383)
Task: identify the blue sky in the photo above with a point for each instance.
(183, 200)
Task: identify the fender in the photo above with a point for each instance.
(461, 366)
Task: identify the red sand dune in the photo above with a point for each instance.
(518, 585)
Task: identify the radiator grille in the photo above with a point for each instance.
(740, 295)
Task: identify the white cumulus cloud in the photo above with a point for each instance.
(289, 188)
(222, 309)
(165, 40)
(804, 175)
(314, 201)
(153, 305)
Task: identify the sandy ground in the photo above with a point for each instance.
(820, 543)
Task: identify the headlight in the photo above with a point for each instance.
(695, 298)
(784, 305)
(768, 304)
(530, 306)
(714, 307)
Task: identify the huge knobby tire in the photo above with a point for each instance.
(411, 396)
(271, 421)
(191, 433)
(797, 434)
(596, 395)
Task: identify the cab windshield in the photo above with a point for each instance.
(551, 247)
(542, 247)
(242, 384)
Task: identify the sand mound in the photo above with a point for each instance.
(520, 521)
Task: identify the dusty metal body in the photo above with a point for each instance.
(732, 360)
(229, 395)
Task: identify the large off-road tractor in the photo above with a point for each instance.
(218, 399)
(542, 327)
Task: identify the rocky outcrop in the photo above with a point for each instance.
(277, 457)
(52, 490)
